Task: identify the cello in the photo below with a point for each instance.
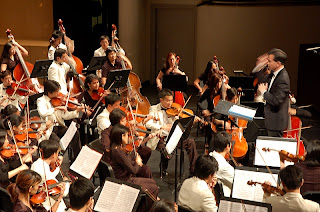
(22, 72)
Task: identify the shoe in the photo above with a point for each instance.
(164, 172)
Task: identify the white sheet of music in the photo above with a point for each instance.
(241, 190)
(229, 206)
(174, 139)
(242, 111)
(114, 195)
(86, 162)
(272, 158)
(66, 139)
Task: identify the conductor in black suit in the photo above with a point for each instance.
(276, 94)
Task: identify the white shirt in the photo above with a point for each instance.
(58, 72)
(15, 102)
(43, 169)
(196, 195)
(275, 73)
(99, 52)
(103, 120)
(225, 173)
(52, 50)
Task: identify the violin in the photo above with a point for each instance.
(286, 155)
(35, 122)
(21, 90)
(98, 95)
(135, 114)
(22, 136)
(269, 188)
(61, 100)
(10, 150)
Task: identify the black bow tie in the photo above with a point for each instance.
(271, 74)
(162, 108)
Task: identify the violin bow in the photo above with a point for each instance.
(45, 178)
(96, 105)
(15, 142)
(184, 105)
(70, 86)
(134, 148)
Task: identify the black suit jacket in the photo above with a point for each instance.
(277, 102)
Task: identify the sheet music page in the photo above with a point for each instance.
(127, 195)
(242, 111)
(272, 158)
(108, 196)
(241, 190)
(66, 139)
(229, 206)
(86, 162)
(174, 139)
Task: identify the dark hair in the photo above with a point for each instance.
(49, 147)
(89, 79)
(221, 140)
(59, 53)
(232, 92)
(163, 205)
(111, 98)
(208, 72)
(50, 86)
(5, 51)
(279, 55)
(24, 181)
(14, 119)
(291, 176)
(116, 115)
(168, 56)
(205, 166)
(55, 35)
(110, 49)
(165, 92)
(313, 153)
(81, 190)
(116, 134)
(3, 134)
(212, 84)
(5, 73)
(9, 109)
(102, 37)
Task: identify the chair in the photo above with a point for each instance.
(96, 145)
(218, 190)
(104, 170)
(183, 209)
(34, 112)
(312, 195)
(5, 201)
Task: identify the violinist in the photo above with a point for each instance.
(164, 123)
(222, 144)
(81, 195)
(104, 44)
(292, 180)
(26, 185)
(117, 116)
(9, 168)
(58, 115)
(9, 59)
(205, 77)
(8, 110)
(50, 158)
(130, 169)
(113, 63)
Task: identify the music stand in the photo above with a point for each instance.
(96, 63)
(175, 83)
(118, 77)
(40, 69)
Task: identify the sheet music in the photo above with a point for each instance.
(229, 206)
(241, 190)
(242, 111)
(114, 195)
(86, 162)
(66, 139)
(174, 139)
(272, 158)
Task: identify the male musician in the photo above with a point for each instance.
(292, 180)
(165, 124)
(113, 63)
(55, 43)
(112, 101)
(276, 94)
(195, 193)
(58, 114)
(222, 146)
(50, 155)
(104, 42)
(59, 68)
(81, 195)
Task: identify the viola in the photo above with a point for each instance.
(21, 90)
(269, 188)
(10, 150)
(61, 100)
(286, 155)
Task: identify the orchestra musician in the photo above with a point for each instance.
(164, 205)
(9, 59)
(130, 169)
(50, 157)
(276, 94)
(292, 180)
(205, 77)
(164, 123)
(104, 44)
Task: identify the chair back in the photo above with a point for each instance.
(218, 190)
(104, 170)
(312, 195)
(96, 145)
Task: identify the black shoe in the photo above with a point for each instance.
(164, 172)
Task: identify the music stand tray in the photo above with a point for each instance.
(96, 63)
(40, 69)
(175, 82)
(119, 77)
(237, 111)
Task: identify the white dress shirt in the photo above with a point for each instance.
(15, 102)
(58, 72)
(225, 173)
(103, 120)
(99, 52)
(52, 50)
(196, 195)
(43, 169)
(275, 73)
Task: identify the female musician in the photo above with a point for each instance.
(205, 76)
(170, 68)
(9, 168)
(26, 185)
(128, 169)
(8, 110)
(9, 58)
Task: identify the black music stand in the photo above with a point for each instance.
(40, 69)
(175, 83)
(118, 77)
(96, 63)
